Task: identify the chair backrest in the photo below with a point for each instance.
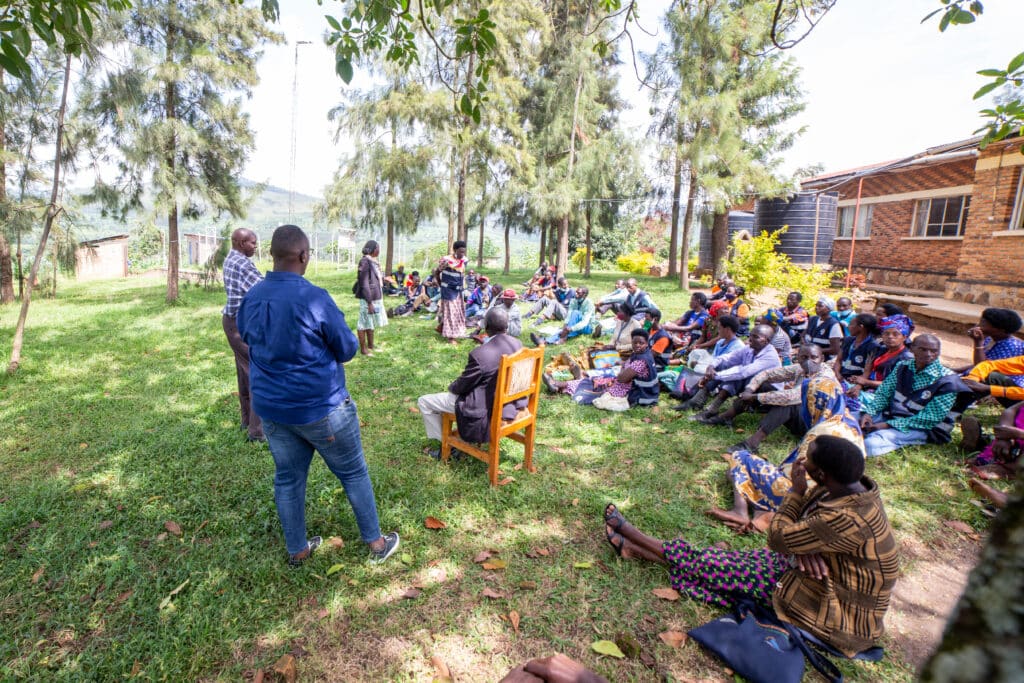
(519, 376)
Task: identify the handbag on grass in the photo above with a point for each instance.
(755, 644)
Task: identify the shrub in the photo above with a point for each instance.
(637, 262)
(757, 265)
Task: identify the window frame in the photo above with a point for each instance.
(921, 232)
(863, 228)
(1017, 217)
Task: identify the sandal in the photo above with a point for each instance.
(611, 541)
(612, 517)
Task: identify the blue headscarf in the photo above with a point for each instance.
(899, 322)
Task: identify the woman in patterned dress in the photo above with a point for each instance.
(757, 482)
(451, 310)
(831, 562)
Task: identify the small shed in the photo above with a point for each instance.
(102, 259)
(199, 248)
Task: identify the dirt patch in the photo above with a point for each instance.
(930, 587)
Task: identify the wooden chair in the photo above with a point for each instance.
(519, 376)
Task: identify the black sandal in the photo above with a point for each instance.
(611, 541)
(614, 518)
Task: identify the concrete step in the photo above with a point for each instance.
(935, 312)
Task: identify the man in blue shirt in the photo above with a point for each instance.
(298, 341)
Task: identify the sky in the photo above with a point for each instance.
(878, 84)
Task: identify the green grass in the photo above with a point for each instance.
(122, 418)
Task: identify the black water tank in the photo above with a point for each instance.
(811, 218)
(739, 221)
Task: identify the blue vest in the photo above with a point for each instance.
(855, 358)
(451, 284)
(661, 359)
(644, 392)
(818, 331)
(744, 322)
(907, 402)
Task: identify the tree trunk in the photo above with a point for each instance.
(451, 207)
(21, 265)
(562, 256)
(389, 248)
(588, 245)
(6, 272)
(719, 242)
(173, 249)
(464, 160)
(691, 201)
(677, 192)
(51, 214)
(53, 256)
(508, 250)
(543, 257)
(983, 638)
(480, 249)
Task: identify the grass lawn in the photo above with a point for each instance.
(141, 540)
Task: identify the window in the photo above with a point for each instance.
(941, 216)
(845, 221)
(1017, 219)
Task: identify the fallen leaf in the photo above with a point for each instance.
(518, 466)
(83, 445)
(739, 430)
(334, 569)
(721, 545)
(673, 638)
(173, 527)
(411, 593)
(322, 614)
(513, 617)
(106, 524)
(957, 525)
(136, 668)
(405, 558)
(607, 647)
(582, 565)
(167, 601)
(605, 420)
(647, 419)
(647, 659)
(506, 480)
(336, 542)
(434, 523)
(575, 502)
(161, 536)
(376, 391)
(559, 450)
(442, 674)
(494, 564)
(414, 409)
(353, 582)
(538, 552)
(38, 574)
(666, 593)
(482, 556)
(298, 651)
(286, 668)
(124, 596)
(528, 585)
(120, 508)
(492, 594)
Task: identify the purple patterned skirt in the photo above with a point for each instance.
(723, 577)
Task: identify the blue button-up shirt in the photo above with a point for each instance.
(298, 340)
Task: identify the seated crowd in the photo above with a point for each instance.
(848, 385)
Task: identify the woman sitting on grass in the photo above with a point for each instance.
(896, 330)
(758, 483)
(625, 324)
(856, 352)
(830, 565)
(999, 457)
(637, 381)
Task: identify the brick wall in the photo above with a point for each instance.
(991, 269)
(104, 260)
(886, 257)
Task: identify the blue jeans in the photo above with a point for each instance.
(573, 319)
(888, 440)
(336, 438)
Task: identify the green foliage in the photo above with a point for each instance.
(145, 244)
(756, 264)
(428, 256)
(636, 262)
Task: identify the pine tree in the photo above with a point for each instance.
(174, 111)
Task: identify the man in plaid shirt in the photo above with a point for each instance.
(239, 276)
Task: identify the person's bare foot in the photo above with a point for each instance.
(994, 496)
(761, 521)
(622, 547)
(732, 518)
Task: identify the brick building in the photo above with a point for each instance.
(102, 259)
(948, 220)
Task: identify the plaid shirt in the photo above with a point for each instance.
(239, 276)
(934, 411)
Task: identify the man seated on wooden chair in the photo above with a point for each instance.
(471, 395)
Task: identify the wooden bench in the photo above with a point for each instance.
(519, 376)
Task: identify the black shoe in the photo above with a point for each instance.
(971, 430)
(390, 546)
(741, 446)
(257, 438)
(295, 561)
(597, 330)
(537, 341)
(549, 383)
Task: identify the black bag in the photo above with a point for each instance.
(585, 392)
(355, 288)
(755, 644)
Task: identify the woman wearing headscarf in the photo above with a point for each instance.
(370, 292)
(758, 483)
(637, 381)
(895, 331)
(451, 311)
(823, 330)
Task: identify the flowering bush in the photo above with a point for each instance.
(637, 262)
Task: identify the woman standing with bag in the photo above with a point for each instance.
(369, 290)
(451, 311)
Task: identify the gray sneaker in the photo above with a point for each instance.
(390, 546)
